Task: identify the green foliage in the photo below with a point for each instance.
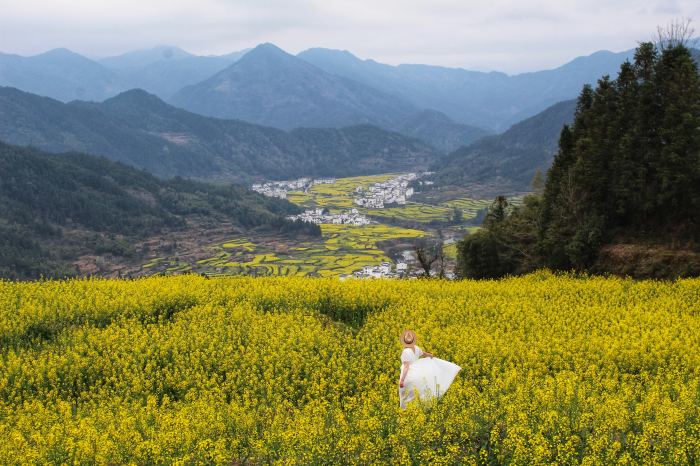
(511, 159)
(630, 165)
(537, 182)
(627, 169)
(506, 245)
(479, 256)
(44, 195)
(141, 130)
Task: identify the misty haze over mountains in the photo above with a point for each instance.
(359, 116)
(492, 101)
(141, 130)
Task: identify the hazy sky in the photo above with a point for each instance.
(505, 35)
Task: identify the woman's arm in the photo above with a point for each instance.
(404, 372)
(426, 354)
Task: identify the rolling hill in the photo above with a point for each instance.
(139, 129)
(510, 159)
(58, 207)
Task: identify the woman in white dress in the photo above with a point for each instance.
(429, 377)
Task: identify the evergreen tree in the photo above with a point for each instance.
(537, 183)
(627, 169)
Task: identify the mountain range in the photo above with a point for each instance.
(65, 75)
(368, 112)
(164, 70)
(445, 107)
(271, 87)
(139, 129)
(491, 100)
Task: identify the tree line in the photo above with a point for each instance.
(627, 170)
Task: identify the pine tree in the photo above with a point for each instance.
(678, 161)
(537, 183)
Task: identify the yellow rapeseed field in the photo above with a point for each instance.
(182, 370)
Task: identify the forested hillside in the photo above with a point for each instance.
(510, 159)
(623, 193)
(139, 129)
(56, 207)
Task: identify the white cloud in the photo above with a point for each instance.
(506, 35)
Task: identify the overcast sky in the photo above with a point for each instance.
(505, 35)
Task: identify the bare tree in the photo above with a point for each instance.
(441, 261)
(428, 251)
(676, 32)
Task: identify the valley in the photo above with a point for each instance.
(345, 249)
(476, 242)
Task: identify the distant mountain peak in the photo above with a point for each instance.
(327, 51)
(61, 53)
(266, 50)
(58, 51)
(269, 46)
(170, 51)
(133, 94)
(264, 58)
(332, 55)
(136, 98)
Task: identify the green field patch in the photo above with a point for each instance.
(153, 263)
(342, 250)
(239, 244)
(413, 212)
(337, 196)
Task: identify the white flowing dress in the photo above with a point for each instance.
(430, 377)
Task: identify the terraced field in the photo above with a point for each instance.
(337, 196)
(417, 212)
(340, 196)
(343, 250)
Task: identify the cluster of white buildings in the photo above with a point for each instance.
(393, 191)
(383, 270)
(281, 188)
(317, 216)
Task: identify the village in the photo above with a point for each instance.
(393, 191)
(320, 216)
(383, 270)
(281, 188)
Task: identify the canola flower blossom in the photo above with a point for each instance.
(185, 370)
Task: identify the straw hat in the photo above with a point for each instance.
(408, 338)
